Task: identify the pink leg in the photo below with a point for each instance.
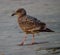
(22, 43)
(33, 41)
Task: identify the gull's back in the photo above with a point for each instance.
(30, 24)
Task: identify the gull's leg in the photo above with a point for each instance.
(33, 40)
(22, 43)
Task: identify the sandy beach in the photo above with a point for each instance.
(47, 11)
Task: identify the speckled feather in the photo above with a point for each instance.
(30, 24)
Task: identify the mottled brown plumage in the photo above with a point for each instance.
(29, 24)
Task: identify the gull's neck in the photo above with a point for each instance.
(22, 17)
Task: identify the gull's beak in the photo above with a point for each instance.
(13, 14)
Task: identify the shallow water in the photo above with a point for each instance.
(47, 11)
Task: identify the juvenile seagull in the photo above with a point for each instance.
(29, 24)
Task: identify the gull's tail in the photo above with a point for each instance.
(44, 28)
(47, 30)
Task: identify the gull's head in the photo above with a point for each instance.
(20, 12)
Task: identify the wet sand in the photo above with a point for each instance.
(47, 11)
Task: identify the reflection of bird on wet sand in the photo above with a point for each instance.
(29, 24)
